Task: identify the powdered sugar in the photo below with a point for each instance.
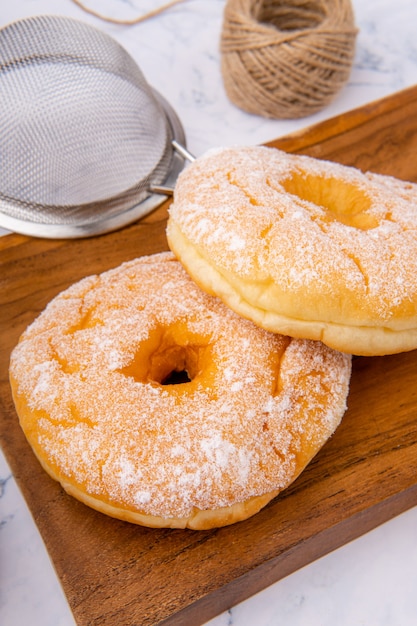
(233, 206)
(85, 371)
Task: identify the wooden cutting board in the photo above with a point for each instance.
(118, 574)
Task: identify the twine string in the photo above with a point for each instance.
(286, 58)
(128, 22)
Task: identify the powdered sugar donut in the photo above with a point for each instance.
(93, 384)
(301, 246)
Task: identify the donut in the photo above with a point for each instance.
(302, 246)
(154, 403)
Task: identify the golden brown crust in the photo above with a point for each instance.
(88, 381)
(302, 247)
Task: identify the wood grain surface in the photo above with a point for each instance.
(118, 574)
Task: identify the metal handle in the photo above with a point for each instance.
(182, 151)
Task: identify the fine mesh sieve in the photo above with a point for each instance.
(84, 140)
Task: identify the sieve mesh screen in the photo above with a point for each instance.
(82, 134)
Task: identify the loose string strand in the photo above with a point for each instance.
(128, 22)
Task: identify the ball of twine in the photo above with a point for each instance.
(286, 58)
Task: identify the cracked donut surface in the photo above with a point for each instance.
(302, 246)
(94, 384)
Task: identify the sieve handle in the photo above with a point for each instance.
(182, 151)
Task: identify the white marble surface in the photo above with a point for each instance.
(371, 581)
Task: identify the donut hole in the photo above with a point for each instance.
(290, 16)
(176, 378)
(341, 201)
(174, 365)
(170, 356)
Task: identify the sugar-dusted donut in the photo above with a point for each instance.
(302, 246)
(93, 384)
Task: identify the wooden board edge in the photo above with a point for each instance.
(281, 566)
(303, 139)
